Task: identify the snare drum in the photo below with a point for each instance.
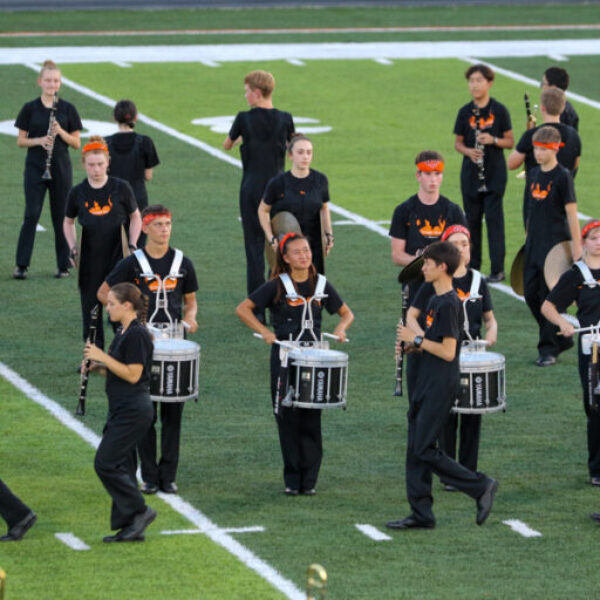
(587, 340)
(482, 382)
(174, 375)
(317, 378)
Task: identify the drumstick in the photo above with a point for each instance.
(282, 344)
(333, 336)
(185, 325)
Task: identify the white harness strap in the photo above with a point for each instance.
(475, 285)
(320, 287)
(176, 264)
(290, 290)
(141, 258)
(588, 278)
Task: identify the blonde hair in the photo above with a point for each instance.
(261, 80)
(553, 100)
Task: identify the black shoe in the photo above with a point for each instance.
(410, 523)
(20, 273)
(16, 532)
(149, 488)
(495, 277)
(60, 274)
(310, 492)
(290, 492)
(118, 537)
(545, 360)
(595, 516)
(138, 525)
(485, 502)
(169, 488)
(595, 481)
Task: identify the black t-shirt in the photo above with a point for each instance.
(548, 192)
(34, 118)
(567, 154)
(569, 116)
(571, 288)
(287, 314)
(437, 379)
(265, 133)
(495, 120)
(131, 348)
(130, 155)
(101, 212)
(129, 269)
(462, 285)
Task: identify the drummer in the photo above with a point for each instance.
(473, 291)
(299, 428)
(160, 259)
(580, 284)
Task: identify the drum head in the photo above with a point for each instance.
(516, 272)
(558, 260)
(174, 347)
(411, 271)
(318, 357)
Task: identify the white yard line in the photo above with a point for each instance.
(253, 529)
(372, 532)
(522, 528)
(178, 504)
(72, 541)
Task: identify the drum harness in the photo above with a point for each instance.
(474, 295)
(307, 324)
(161, 292)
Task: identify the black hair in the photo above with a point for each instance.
(558, 77)
(444, 253)
(282, 267)
(125, 113)
(127, 292)
(486, 71)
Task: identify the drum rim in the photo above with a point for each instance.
(480, 411)
(319, 405)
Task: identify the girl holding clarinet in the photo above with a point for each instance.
(299, 428)
(47, 128)
(130, 412)
(581, 284)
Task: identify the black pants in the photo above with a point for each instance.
(592, 413)
(423, 458)
(12, 508)
(165, 470)
(35, 190)
(470, 429)
(300, 438)
(476, 205)
(254, 237)
(115, 460)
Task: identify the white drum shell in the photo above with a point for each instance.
(174, 356)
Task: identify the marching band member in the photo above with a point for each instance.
(559, 78)
(102, 205)
(299, 428)
(305, 193)
(132, 155)
(472, 290)
(178, 275)
(434, 393)
(128, 364)
(44, 143)
(581, 284)
(552, 218)
(482, 131)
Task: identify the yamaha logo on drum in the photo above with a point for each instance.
(478, 391)
(170, 380)
(320, 393)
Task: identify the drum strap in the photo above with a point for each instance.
(320, 287)
(475, 285)
(144, 264)
(588, 278)
(290, 290)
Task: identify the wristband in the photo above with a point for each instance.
(274, 239)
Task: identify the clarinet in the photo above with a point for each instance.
(479, 146)
(85, 371)
(46, 175)
(531, 118)
(400, 355)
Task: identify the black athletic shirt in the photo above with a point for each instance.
(287, 314)
(265, 133)
(569, 116)
(570, 288)
(34, 118)
(548, 192)
(495, 120)
(131, 348)
(129, 269)
(567, 154)
(130, 155)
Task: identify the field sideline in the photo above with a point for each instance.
(370, 219)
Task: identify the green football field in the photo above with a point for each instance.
(233, 534)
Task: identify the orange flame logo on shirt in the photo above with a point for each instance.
(428, 230)
(169, 282)
(483, 123)
(97, 210)
(462, 296)
(300, 302)
(538, 193)
(429, 319)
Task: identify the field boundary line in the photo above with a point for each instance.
(178, 504)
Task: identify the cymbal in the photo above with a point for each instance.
(516, 272)
(558, 260)
(412, 270)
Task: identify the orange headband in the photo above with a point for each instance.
(455, 229)
(428, 166)
(550, 145)
(285, 238)
(587, 228)
(94, 146)
(154, 215)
